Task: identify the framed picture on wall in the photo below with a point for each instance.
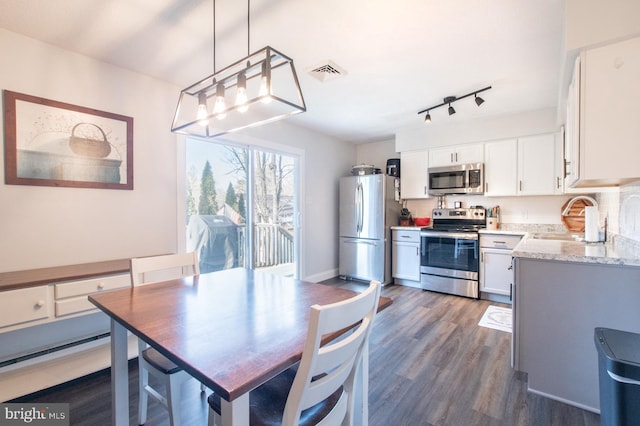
(51, 143)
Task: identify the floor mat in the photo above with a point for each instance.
(497, 318)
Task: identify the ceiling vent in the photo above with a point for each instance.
(327, 70)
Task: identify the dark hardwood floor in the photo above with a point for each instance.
(430, 364)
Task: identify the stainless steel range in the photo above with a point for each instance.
(449, 251)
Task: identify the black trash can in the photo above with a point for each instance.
(619, 376)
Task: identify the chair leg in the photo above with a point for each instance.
(143, 381)
(173, 398)
(213, 418)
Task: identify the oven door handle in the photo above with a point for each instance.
(452, 235)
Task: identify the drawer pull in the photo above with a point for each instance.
(100, 286)
(39, 304)
(499, 242)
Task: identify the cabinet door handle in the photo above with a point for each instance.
(520, 185)
(456, 157)
(451, 155)
(486, 187)
(558, 182)
(417, 251)
(425, 190)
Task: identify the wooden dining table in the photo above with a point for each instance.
(232, 330)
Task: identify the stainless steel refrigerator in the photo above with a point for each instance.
(367, 211)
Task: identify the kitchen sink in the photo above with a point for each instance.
(557, 236)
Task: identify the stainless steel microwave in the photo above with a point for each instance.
(458, 179)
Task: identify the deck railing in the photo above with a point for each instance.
(273, 245)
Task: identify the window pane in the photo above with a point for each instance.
(274, 212)
(216, 204)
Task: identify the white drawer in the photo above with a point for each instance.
(73, 305)
(25, 305)
(84, 287)
(500, 241)
(408, 236)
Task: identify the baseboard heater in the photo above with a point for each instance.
(49, 351)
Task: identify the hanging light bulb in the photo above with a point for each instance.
(479, 100)
(427, 118)
(202, 113)
(220, 105)
(265, 84)
(241, 93)
(451, 110)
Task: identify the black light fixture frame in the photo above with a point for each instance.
(451, 99)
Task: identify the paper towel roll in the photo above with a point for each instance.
(591, 220)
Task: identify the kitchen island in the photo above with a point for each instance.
(564, 290)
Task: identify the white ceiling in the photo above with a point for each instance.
(399, 56)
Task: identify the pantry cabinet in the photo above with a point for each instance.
(459, 154)
(414, 181)
(602, 123)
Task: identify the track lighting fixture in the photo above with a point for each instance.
(261, 88)
(451, 99)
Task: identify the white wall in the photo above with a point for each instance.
(46, 226)
(591, 22)
(479, 130)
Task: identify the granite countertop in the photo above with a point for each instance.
(502, 232)
(620, 251)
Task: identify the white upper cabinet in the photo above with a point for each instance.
(459, 154)
(414, 180)
(539, 165)
(609, 129)
(500, 167)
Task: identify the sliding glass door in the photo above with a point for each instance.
(241, 207)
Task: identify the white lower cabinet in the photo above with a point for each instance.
(496, 272)
(405, 257)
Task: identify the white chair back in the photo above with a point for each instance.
(325, 368)
(146, 270)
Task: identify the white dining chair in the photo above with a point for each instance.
(148, 270)
(320, 390)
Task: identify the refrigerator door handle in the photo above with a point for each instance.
(359, 207)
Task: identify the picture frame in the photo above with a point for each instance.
(52, 143)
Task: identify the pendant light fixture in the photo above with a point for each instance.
(261, 88)
(451, 99)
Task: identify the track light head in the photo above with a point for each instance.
(427, 118)
(479, 100)
(451, 110)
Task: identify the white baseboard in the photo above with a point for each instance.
(316, 278)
